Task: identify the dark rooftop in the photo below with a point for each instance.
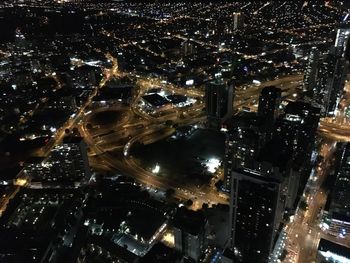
(155, 100)
(189, 221)
(72, 139)
(161, 254)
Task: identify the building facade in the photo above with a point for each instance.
(219, 102)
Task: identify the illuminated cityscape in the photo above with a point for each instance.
(175, 131)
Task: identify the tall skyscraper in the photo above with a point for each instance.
(337, 213)
(269, 102)
(244, 139)
(219, 102)
(297, 128)
(256, 211)
(331, 74)
(342, 41)
(340, 71)
(187, 48)
(321, 92)
(310, 74)
(238, 21)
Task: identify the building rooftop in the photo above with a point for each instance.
(332, 247)
(189, 221)
(161, 254)
(72, 139)
(155, 100)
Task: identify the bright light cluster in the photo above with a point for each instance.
(212, 165)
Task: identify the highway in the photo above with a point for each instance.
(109, 146)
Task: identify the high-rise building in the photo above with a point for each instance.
(241, 148)
(339, 77)
(310, 74)
(342, 41)
(190, 229)
(256, 211)
(219, 102)
(337, 212)
(187, 48)
(269, 102)
(323, 89)
(244, 139)
(341, 200)
(331, 74)
(238, 21)
(297, 128)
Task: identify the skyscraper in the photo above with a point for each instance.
(297, 128)
(342, 41)
(325, 84)
(244, 139)
(340, 71)
(269, 102)
(256, 211)
(238, 21)
(331, 73)
(187, 48)
(310, 74)
(337, 215)
(219, 102)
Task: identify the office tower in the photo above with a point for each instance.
(187, 48)
(256, 211)
(190, 229)
(331, 74)
(310, 74)
(297, 128)
(244, 139)
(341, 200)
(323, 89)
(340, 71)
(342, 41)
(331, 83)
(337, 215)
(269, 102)
(238, 21)
(21, 43)
(241, 148)
(219, 102)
